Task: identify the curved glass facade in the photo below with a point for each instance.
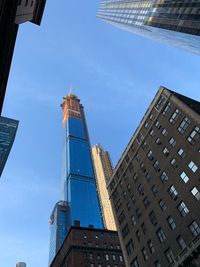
(169, 21)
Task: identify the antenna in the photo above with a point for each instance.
(70, 90)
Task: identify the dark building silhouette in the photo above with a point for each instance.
(155, 187)
(13, 13)
(89, 247)
(8, 129)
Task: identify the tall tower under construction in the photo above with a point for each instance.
(78, 186)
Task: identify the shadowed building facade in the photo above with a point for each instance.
(155, 187)
(89, 247)
(13, 13)
(78, 186)
(103, 172)
(173, 22)
(8, 129)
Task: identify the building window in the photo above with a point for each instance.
(184, 177)
(163, 177)
(151, 247)
(164, 132)
(133, 219)
(135, 263)
(129, 247)
(144, 146)
(161, 235)
(158, 125)
(181, 242)
(174, 116)
(193, 166)
(183, 125)
(98, 257)
(174, 163)
(158, 141)
(138, 235)
(171, 223)
(148, 177)
(140, 137)
(152, 217)
(150, 155)
(195, 193)
(173, 192)
(137, 157)
(91, 256)
(144, 254)
(138, 212)
(107, 257)
(151, 117)
(152, 133)
(118, 205)
(125, 231)
(128, 206)
(141, 189)
(194, 228)
(144, 228)
(154, 190)
(121, 258)
(160, 103)
(162, 205)
(165, 152)
(194, 136)
(167, 109)
(26, 3)
(172, 142)
(121, 217)
(183, 209)
(135, 177)
(169, 256)
(146, 125)
(133, 199)
(146, 202)
(156, 166)
(181, 153)
(114, 257)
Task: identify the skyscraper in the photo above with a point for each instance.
(58, 227)
(78, 180)
(13, 13)
(103, 171)
(173, 22)
(155, 188)
(8, 129)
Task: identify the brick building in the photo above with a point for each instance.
(155, 187)
(89, 247)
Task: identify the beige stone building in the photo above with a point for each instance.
(103, 171)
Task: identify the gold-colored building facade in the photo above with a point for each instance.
(103, 171)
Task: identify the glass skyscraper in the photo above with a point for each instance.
(8, 129)
(58, 227)
(78, 179)
(170, 21)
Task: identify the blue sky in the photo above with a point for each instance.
(115, 73)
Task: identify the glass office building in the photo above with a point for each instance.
(170, 21)
(8, 129)
(78, 179)
(79, 199)
(58, 227)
